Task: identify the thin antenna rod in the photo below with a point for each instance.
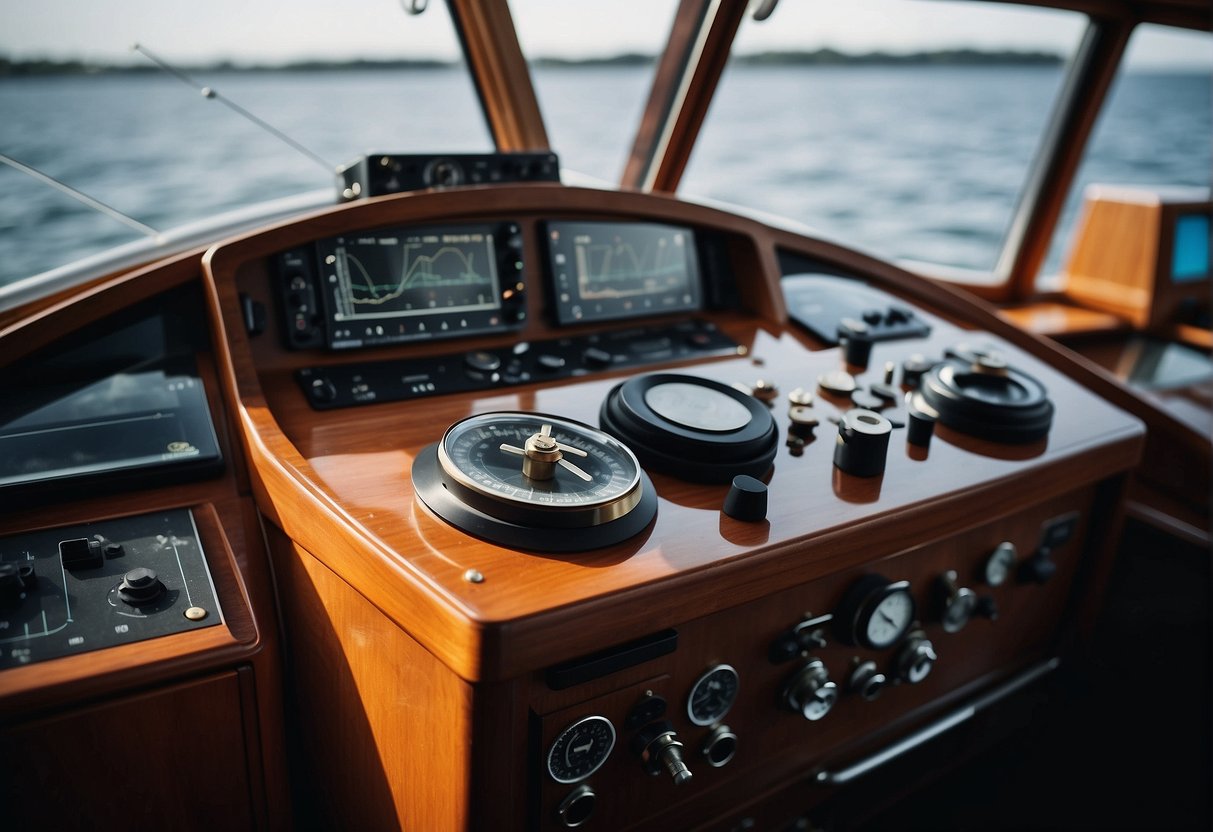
(210, 92)
(96, 205)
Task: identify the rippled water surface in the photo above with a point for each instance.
(923, 163)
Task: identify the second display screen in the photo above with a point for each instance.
(607, 271)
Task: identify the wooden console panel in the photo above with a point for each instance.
(427, 688)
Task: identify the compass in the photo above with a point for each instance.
(535, 481)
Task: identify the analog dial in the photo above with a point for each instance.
(875, 612)
(999, 564)
(538, 470)
(581, 749)
(712, 695)
(889, 619)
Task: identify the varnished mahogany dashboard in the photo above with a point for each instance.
(418, 658)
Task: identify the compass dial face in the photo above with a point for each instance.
(712, 695)
(581, 749)
(484, 461)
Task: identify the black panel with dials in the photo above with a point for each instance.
(394, 285)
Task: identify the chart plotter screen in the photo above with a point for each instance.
(604, 271)
(405, 284)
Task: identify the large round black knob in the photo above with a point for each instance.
(140, 586)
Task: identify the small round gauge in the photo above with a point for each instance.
(581, 749)
(875, 612)
(999, 563)
(712, 695)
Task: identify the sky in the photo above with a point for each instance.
(282, 30)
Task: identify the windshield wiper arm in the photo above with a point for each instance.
(95, 204)
(211, 92)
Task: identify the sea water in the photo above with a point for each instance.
(916, 162)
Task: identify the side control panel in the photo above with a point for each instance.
(75, 589)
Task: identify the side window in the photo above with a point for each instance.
(1154, 129)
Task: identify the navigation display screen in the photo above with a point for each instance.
(405, 284)
(607, 271)
(127, 421)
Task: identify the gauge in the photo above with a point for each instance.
(533, 469)
(875, 612)
(1000, 562)
(581, 749)
(535, 481)
(712, 695)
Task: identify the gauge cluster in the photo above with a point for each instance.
(729, 700)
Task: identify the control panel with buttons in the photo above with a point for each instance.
(75, 589)
(389, 381)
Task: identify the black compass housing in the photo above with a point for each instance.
(989, 400)
(681, 437)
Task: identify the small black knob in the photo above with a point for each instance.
(140, 586)
(747, 499)
(1039, 568)
(16, 579)
(987, 607)
(595, 357)
(550, 363)
(481, 361)
(913, 368)
(323, 390)
(856, 347)
(81, 553)
(863, 443)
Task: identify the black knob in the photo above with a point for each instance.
(482, 362)
(323, 390)
(856, 346)
(747, 499)
(987, 607)
(922, 420)
(140, 586)
(595, 357)
(81, 553)
(863, 443)
(16, 579)
(913, 368)
(550, 363)
(1039, 568)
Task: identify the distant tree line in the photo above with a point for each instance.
(10, 68)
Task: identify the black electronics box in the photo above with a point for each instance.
(382, 173)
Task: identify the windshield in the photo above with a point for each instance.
(904, 128)
(80, 106)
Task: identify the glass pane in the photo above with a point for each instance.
(145, 143)
(1154, 130)
(592, 64)
(904, 128)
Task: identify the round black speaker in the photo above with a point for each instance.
(692, 428)
(988, 399)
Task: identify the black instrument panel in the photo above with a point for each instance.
(606, 271)
(387, 286)
(394, 285)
